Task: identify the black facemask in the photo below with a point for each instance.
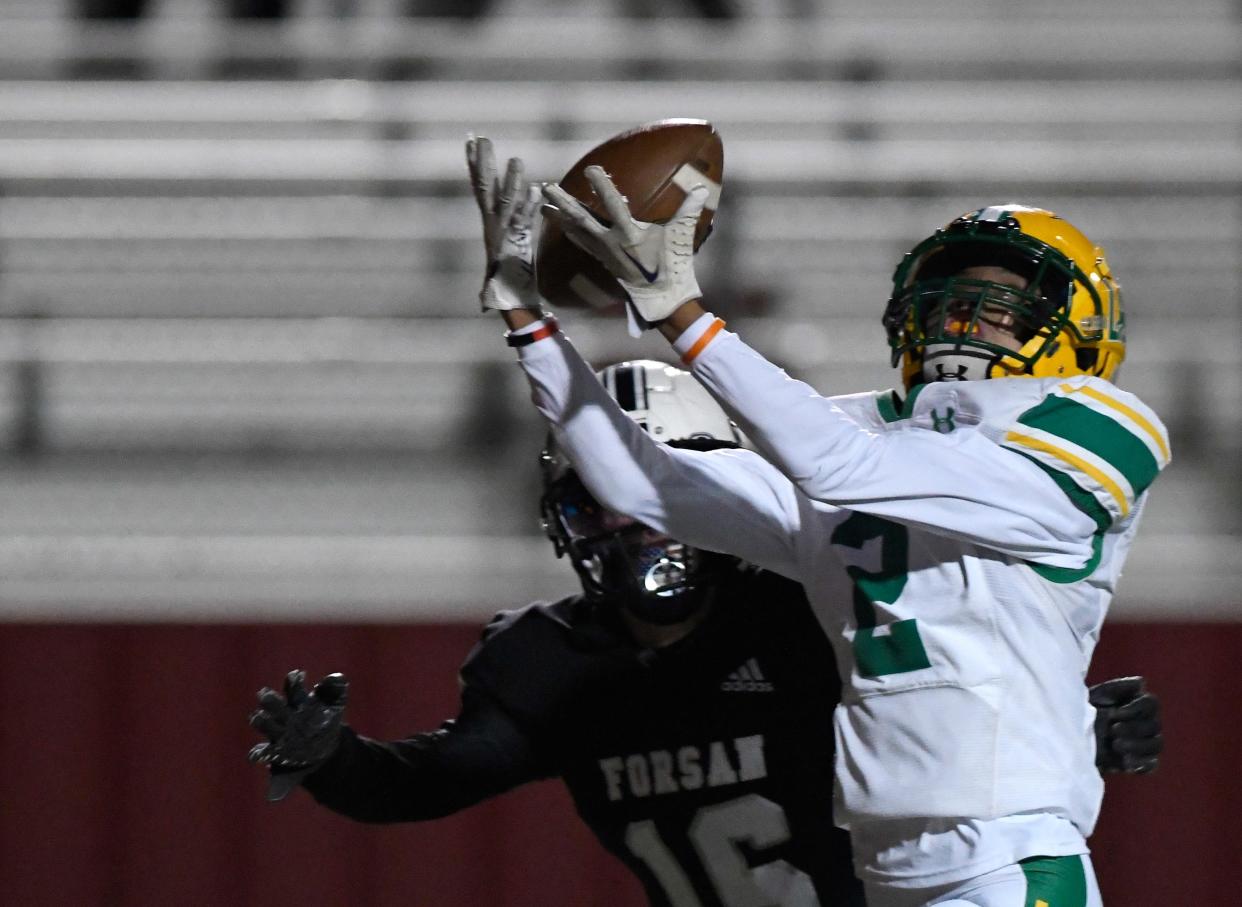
(621, 562)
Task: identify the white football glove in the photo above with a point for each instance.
(653, 262)
(508, 211)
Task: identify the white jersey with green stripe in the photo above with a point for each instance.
(990, 522)
(960, 550)
(967, 692)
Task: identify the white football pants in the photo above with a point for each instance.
(1037, 882)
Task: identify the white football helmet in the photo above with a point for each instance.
(617, 559)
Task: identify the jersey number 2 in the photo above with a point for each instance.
(897, 647)
(716, 832)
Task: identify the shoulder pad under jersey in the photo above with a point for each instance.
(1102, 445)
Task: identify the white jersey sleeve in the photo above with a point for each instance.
(1101, 445)
(1007, 465)
(987, 526)
(732, 501)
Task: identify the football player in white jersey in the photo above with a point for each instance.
(684, 700)
(976, 523)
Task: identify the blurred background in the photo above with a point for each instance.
(250, 418)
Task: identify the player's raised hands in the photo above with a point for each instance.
(653, 262)
(1127, 726)
(302, 729)
(508, 207)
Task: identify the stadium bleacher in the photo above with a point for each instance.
(195, 265)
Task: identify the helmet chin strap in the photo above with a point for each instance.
(654, 591)
(950, 362)
(665, 611)
(660, 594)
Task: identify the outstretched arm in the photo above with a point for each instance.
(730, 501)
(481, 753)
(478, 755)
(961, 485)
(723, 500)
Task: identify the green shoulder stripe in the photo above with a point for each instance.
(1105, 437)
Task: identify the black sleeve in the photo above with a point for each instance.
(481, 753)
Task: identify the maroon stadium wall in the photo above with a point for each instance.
(125, 781)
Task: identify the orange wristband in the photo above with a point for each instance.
(703, 341)
(548, 328)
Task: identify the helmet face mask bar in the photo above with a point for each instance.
(1065, 318)
(619, 561)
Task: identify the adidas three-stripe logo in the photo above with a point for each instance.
(747, 678)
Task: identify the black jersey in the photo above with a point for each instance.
(705, 766)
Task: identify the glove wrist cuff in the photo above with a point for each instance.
(658, 306)
(498, 297)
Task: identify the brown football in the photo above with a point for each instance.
(653, 165)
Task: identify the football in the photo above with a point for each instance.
(653, 165)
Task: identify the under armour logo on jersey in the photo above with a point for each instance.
(944, 424)
(747, 678)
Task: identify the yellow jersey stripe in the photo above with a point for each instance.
(1133, 415)
(1078, 463)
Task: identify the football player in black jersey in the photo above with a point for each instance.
(684, 699)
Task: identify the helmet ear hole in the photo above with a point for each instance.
(1087, 359)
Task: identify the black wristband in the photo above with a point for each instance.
(548, 328)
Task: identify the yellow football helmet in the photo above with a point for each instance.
(1067, 317)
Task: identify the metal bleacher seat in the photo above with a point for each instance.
(287, 265)
(340, 108)
(559, 47)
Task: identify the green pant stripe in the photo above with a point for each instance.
(1055, 882)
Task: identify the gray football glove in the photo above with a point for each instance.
(1127, 726)
(508, 209)
(302, 729)
(653, 262)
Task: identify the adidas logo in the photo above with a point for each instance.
(747, 679)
